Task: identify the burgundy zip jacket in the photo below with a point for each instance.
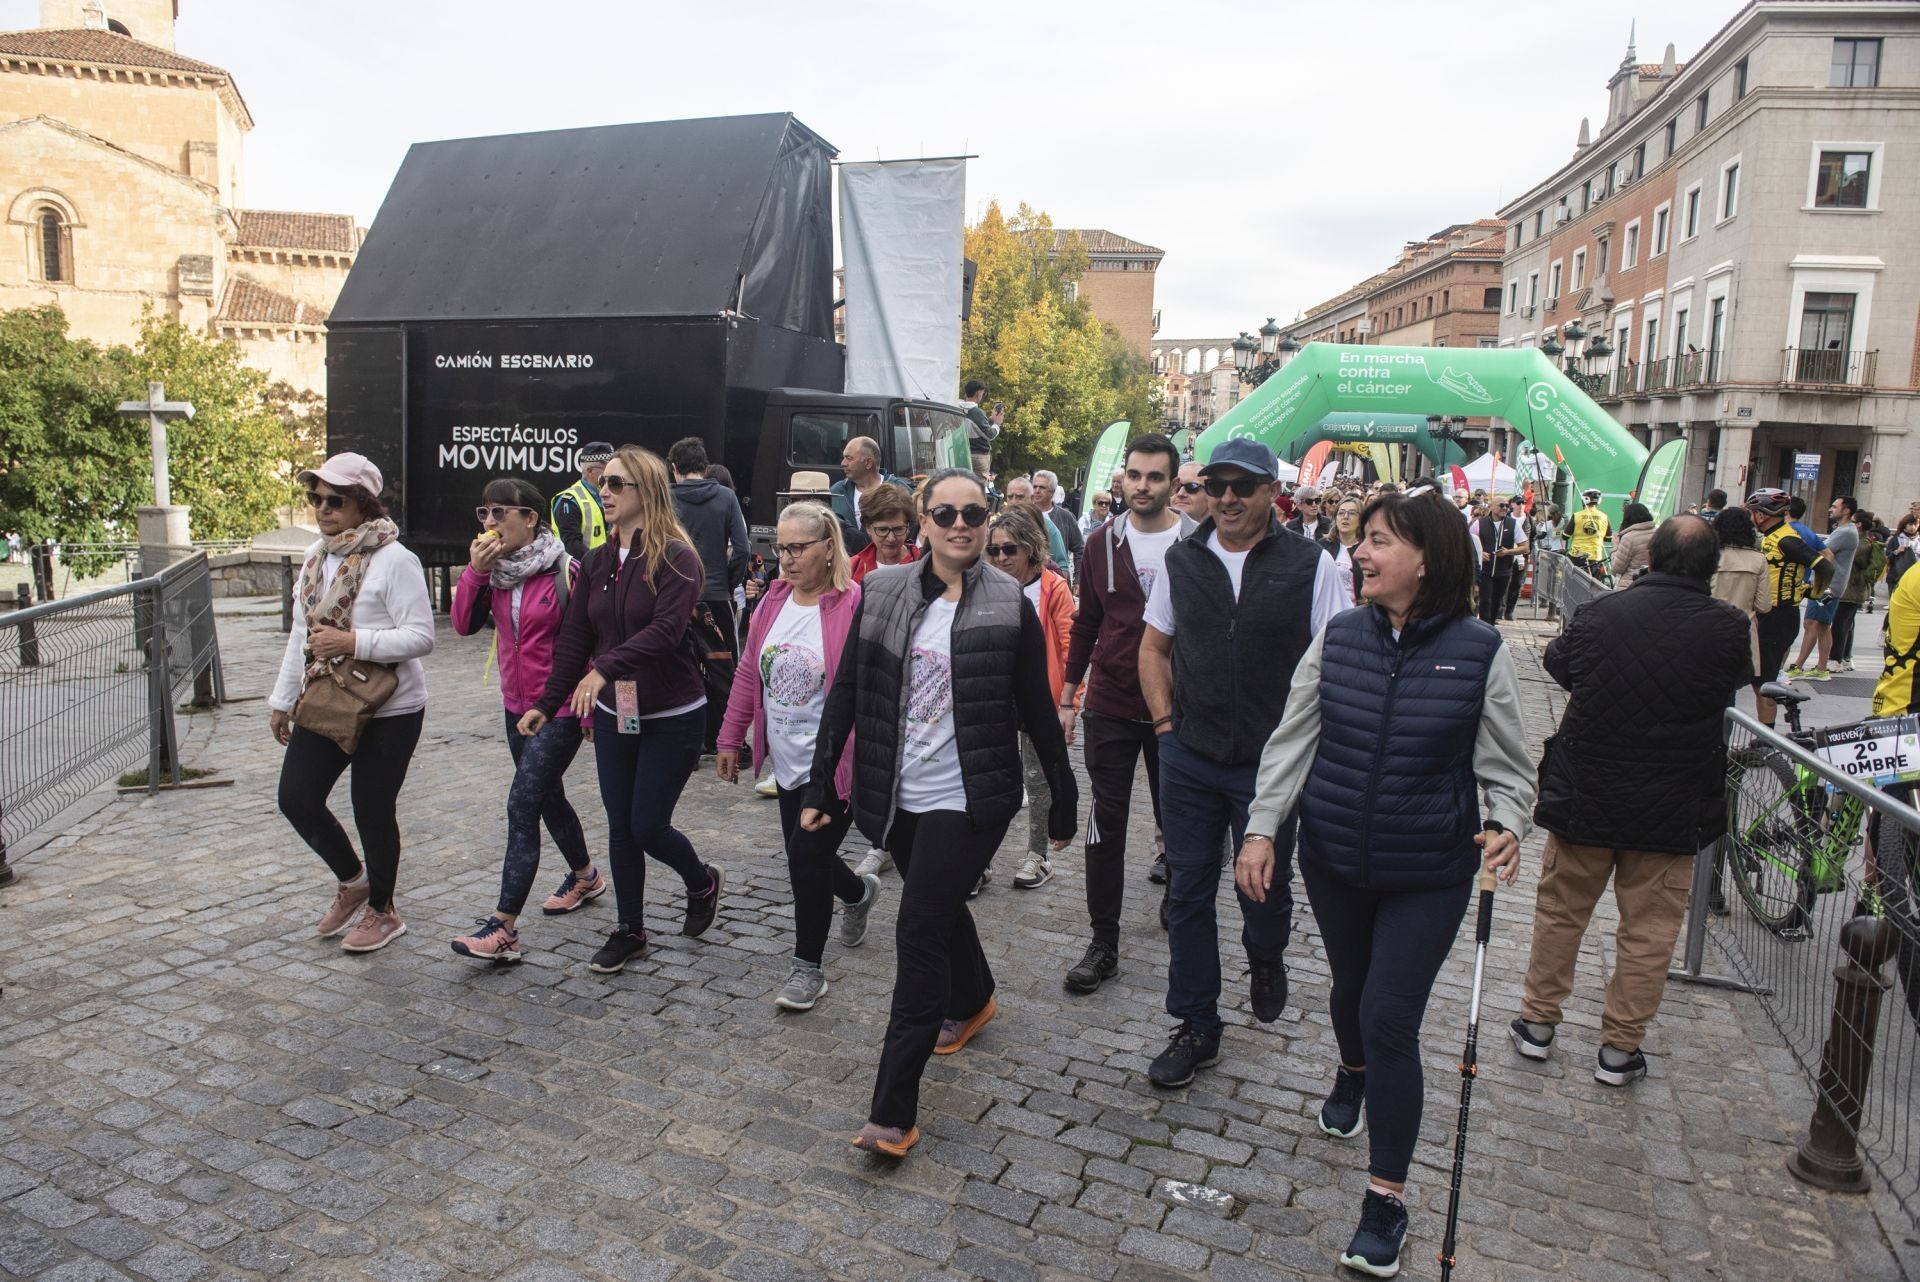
(629, 629)
(1107, 631)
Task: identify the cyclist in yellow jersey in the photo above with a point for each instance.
(1788, 556)
(1895, 693)
(1587, 535)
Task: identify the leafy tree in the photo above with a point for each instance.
(303, 416)
(227, 463)
(1063, 373)
(72, 467)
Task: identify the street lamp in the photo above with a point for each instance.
(1596, 348)
(1244, 348)
(1445, 430)
(1269, 338)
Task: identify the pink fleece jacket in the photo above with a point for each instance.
(745, 707)
(525, 658)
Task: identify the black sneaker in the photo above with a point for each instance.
(1375, 1249)
(1619, 1072)
(1341, 1114)
(1527, 1044)
(1269, 989)
(1158, 873)
(701, 908)
(622, 946)
(1189, 1050)
(1098, 964)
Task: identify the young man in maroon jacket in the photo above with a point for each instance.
(1122, 560)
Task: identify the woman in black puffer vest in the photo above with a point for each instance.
(1422, 710)
(942, 650)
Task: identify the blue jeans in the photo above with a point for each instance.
(539, 792)
(641, 779)
(1200, 800)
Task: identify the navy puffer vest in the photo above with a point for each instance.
(1391, 801)
(986, 645)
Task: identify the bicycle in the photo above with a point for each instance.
(1788, 838)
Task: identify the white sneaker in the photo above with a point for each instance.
(876, 862)
(1841, 665)
(1034, 872)
(768, 786)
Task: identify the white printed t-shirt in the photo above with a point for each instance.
(929, 756)
(1328, 599)
(793, 690)
(1150, 554)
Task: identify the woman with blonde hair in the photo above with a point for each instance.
(624, 658)
(792, 654)
(1016, 545)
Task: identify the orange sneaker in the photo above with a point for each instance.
(955, 1033)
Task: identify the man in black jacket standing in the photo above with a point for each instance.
(1237, 605)
(1633, 784)
(710, 513)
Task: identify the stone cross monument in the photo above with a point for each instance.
(164, 536)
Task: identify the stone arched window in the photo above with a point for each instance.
(53, 245)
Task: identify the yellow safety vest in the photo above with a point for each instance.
(1589, 534)
(593, 520)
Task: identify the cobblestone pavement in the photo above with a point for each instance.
(193, 1087)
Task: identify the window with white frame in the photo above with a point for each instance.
(1690, 213)
(1533, 289)
(1553, 283)
(1662, 221)
(1513, 296)
(1630, 245)
(1579, 269)
(1729, 190)
(1845, 176)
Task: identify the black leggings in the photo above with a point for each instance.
(312, 766)
(1384, 949)
(942, 973)
(641, 778)
(818, 873)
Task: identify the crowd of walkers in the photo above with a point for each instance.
(1299, 672)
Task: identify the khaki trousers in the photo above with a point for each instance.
(1651, 892)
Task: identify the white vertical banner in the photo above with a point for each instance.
(902, 233)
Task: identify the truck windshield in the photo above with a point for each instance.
(926, 439)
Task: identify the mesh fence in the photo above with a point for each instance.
(87, 688)
(1810, 880)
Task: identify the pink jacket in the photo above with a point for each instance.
(745, 706)
(526, 659)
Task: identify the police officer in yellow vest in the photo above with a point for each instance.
(579, 522)
(1788, 558)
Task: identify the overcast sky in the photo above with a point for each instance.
(1277, 151)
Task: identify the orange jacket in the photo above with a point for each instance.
(1056, 621)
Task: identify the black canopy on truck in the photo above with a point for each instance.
(520, 295)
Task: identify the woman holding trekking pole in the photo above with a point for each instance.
(1423, 711)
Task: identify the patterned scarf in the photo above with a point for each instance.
(358, 546)
(539, 557)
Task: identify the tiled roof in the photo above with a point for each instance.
(101, 47)
(248, 302)
(276, 229)
(1098, 240)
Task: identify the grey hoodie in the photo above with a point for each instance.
(718, 530)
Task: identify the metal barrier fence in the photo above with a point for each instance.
(1564, 586)
(55, 569)
(1810, 892)
(88, 688)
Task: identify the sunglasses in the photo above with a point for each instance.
(887, 531)
(615, 484)
(1000, 550)
(1192, 487)
(946, 514)
(794, 549)
(331, 502)
(1242, 486)
(497, 513)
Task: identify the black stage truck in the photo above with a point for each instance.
(518, 296)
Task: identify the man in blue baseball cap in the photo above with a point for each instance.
(1237, 604)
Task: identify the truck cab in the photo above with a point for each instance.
(807, 431)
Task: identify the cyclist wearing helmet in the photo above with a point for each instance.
(1788, 557)
(1587, 535)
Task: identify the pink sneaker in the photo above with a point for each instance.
(574, 892)
(374, 931)
(492, 941)
(349, 900)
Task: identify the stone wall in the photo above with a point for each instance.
(249, 573)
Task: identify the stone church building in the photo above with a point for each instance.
(121, 168)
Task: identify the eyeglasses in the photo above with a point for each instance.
(1192, 487)
(1103, 502)
(1242, 486)
(331, 502)
(615, 484)
(784, 550)
(496, 513)
(887, 531)
(946, 514)
(999, 550)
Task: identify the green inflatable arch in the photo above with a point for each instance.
(1519, 385)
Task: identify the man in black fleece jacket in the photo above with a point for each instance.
(711, 516)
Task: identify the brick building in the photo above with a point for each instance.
(1118, 284)
(121, 167)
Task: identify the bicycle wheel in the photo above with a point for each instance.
(1767, 844)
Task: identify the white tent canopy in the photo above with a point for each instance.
(1486, 473)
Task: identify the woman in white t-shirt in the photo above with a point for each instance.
(791, 657)
(947, 662)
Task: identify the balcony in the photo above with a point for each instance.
(1667, 376)
(1828, 369)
